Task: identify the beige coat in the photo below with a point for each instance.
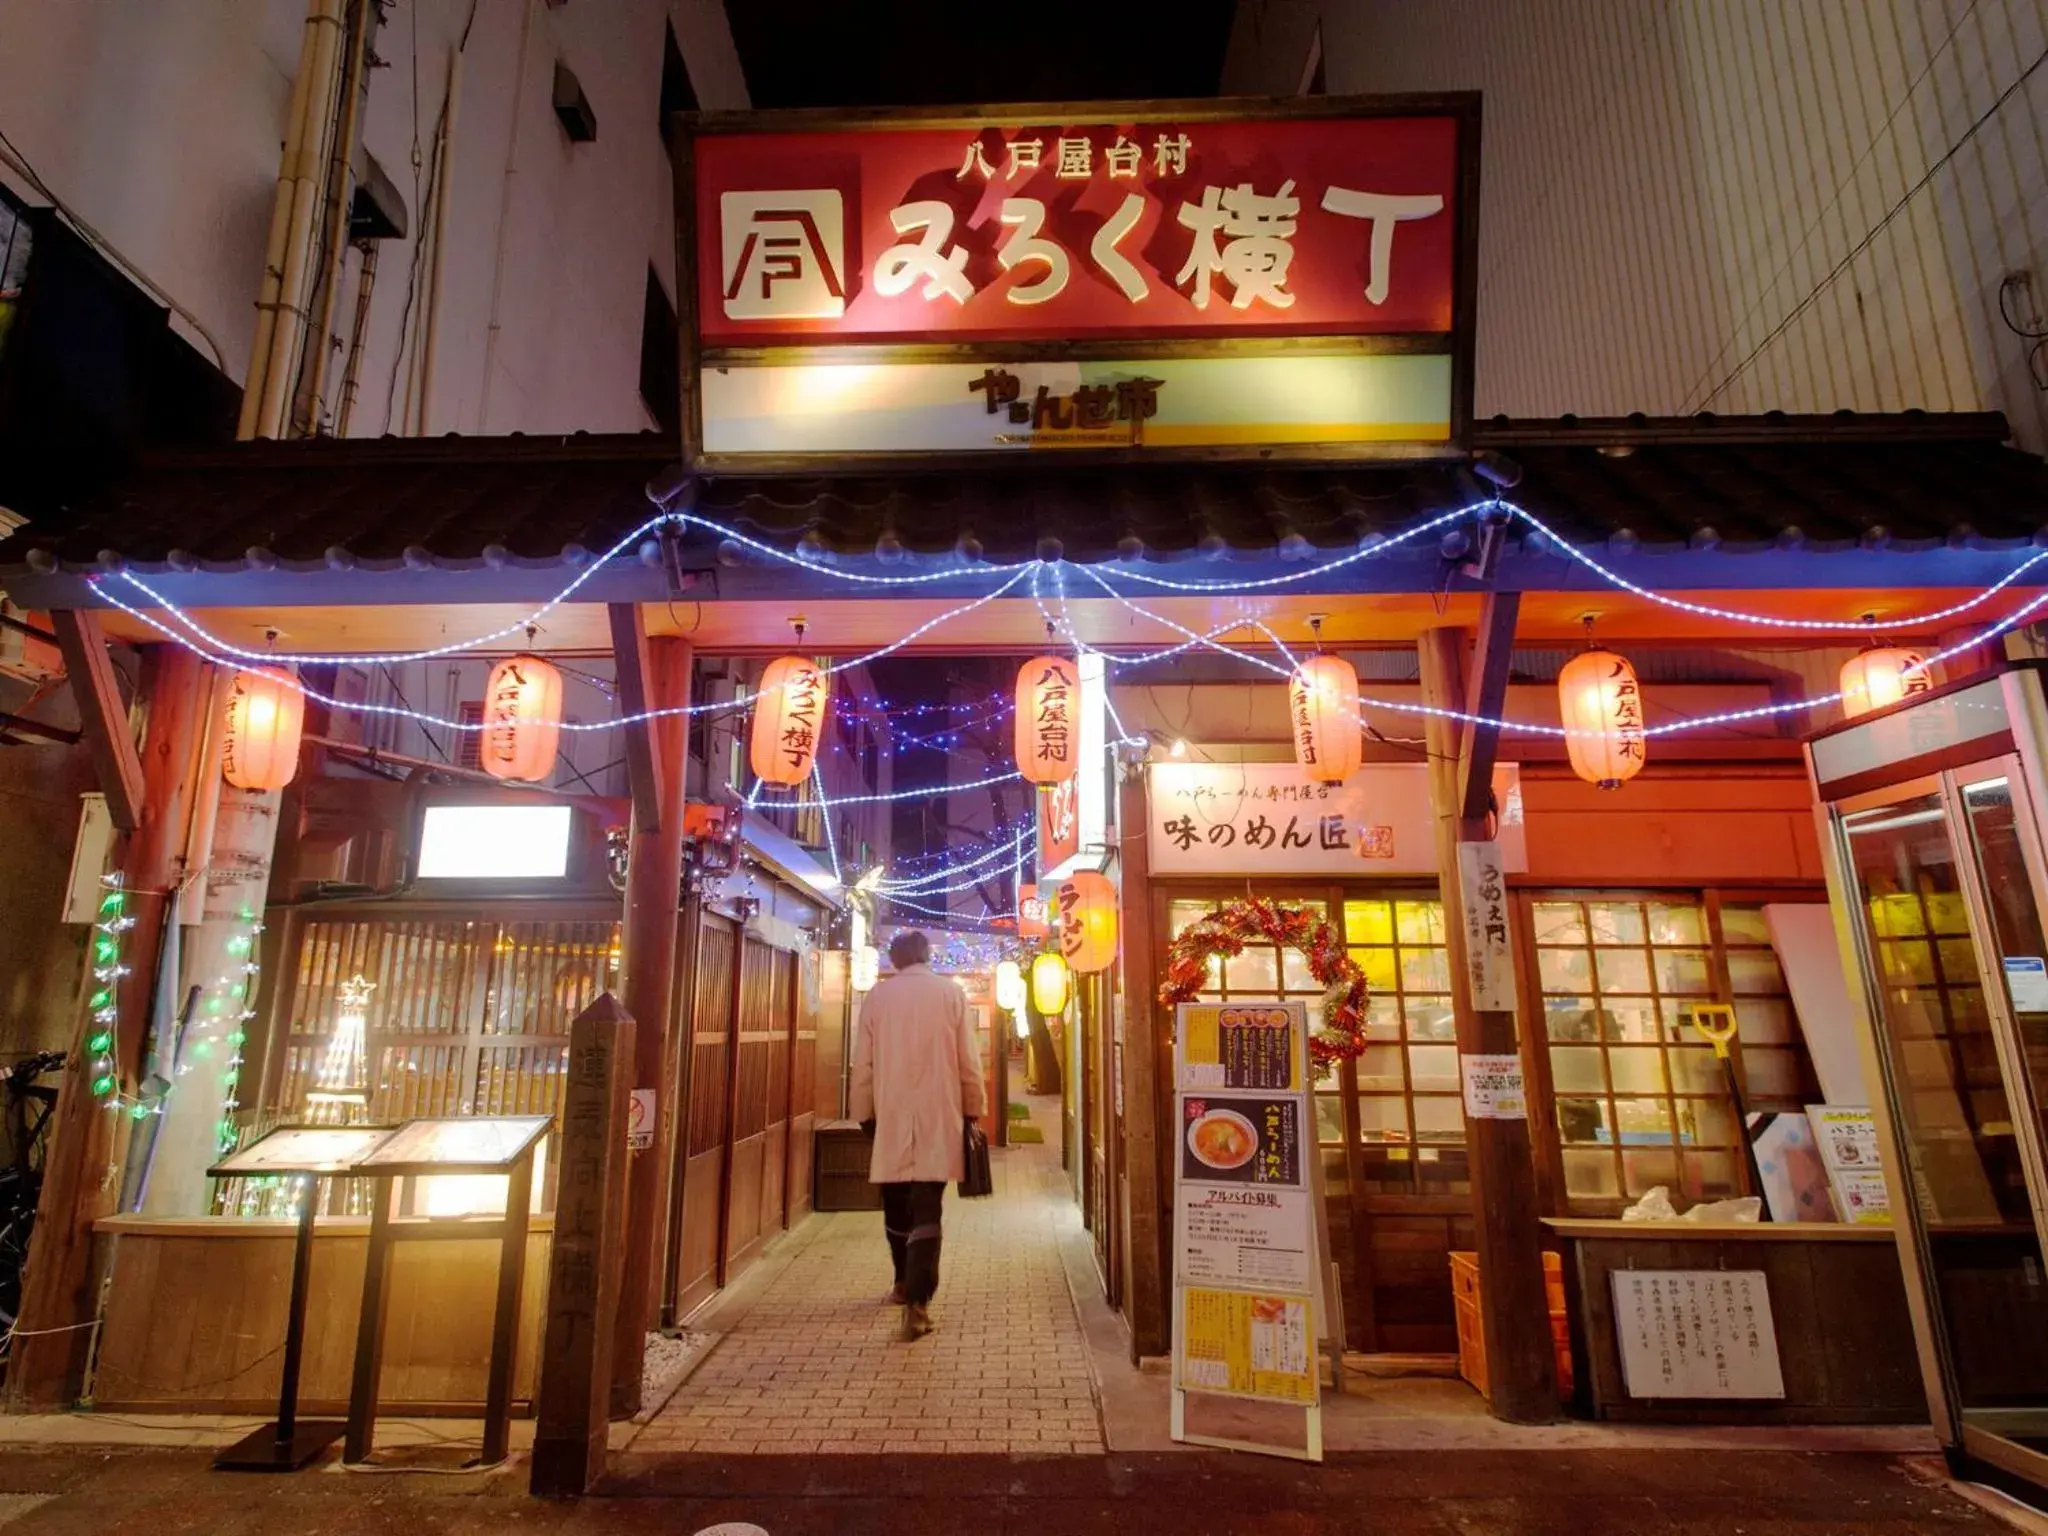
(917, 1075)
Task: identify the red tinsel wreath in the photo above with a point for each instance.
(1342, 1036)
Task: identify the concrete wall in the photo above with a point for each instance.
(1727, 205)
(160, 123)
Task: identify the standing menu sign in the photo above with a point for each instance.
(1247, 1266)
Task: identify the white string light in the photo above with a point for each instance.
(928, 884)
(825, 815)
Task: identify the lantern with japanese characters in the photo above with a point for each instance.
(1602, 705)
(1322, 709)
(266, 713)
(1031, 915)
(1048, 721)
(1088, 911)
(1882, 676)
(1049, 984)
(789, 719)
(522, 719)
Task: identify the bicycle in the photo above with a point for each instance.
(30, 1104)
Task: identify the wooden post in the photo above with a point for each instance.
(652, 674)
(572, 1413)
(1520, 1366)
(81, 1172)
(1147, 1045)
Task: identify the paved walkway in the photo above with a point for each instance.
(810, 1361)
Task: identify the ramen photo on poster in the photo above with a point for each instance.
(1240, 1139)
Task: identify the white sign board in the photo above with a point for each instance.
(1489, 957)
(640, 1115)
(1246, 1238)
(1493, 1088)
(2026, 979)
(1693, 1333)
(1271, 819)
(1847, 1137)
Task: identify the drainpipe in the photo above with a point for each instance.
(355, 85)
(351, 377)
(318, 23)
(301, 183)
(483, 412)
(430, 328)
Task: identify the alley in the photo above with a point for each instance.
(809, 1360)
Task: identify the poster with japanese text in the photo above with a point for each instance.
(1242, 1045)
(1234, 1139)
(1239, 1237)
(1247, 1344)
(1696, 1334)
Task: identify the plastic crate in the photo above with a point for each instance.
(1466, 1300)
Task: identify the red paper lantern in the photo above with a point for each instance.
(1602, 705)
(1088, 915)
(522, 719)
(1883, 676)
(1031, 916)
(265, 715)
(1322, 707)
(789, 720)
(1048, 725)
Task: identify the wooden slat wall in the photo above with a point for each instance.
(703, 1139)
(1689, 204)
(743, 1233)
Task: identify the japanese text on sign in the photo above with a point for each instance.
(1696, 1333)
(1489, 958)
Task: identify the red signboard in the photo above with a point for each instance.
(1059, 823)
(1271, 226)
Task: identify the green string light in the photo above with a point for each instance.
(112, 921)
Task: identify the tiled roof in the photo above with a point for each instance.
(1825, 483)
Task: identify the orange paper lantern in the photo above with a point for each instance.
(1322, 706)
(1048, 725)
(522, 719)
(1088, 912)
(789, 719)
(265, 715)
(1031, 919)
(1602, 705)
(1883, 676)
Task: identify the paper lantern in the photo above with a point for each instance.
(1031, 916)
(1049, 984)
(522, 719)
(1322, 707)
(1088, 912)
(266, 713)
(1048, 724)
(1602, 705)
(1009, 986)
(789, 717)
(1880, 677)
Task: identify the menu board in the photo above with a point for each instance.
(459, 1142)
(302, 1149)
(1246, 1253)
(1847, 1137)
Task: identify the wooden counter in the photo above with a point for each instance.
(1845, 1337)
(196, 1312)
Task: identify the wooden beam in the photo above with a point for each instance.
(630, 659)
(1147, 1051)
(1479, 744)
(1506, 1218)
(101, 714)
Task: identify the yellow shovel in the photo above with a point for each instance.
(1715, 1023)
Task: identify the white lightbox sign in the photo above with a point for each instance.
(495, 842)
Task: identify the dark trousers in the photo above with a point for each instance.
(910, 1216)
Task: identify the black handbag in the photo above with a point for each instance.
(978, 1178)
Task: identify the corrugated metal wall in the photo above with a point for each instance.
(1729, 205)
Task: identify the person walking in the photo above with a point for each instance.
(916, 1086)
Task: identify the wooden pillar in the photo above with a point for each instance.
(652, 674)
(81, 1172)
(1148, 1035)
(1520, 1367)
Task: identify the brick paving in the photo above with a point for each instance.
(814, 1365)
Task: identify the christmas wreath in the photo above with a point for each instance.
(1226, 932)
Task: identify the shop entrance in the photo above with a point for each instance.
(1937, 845)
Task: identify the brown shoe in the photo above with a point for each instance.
(895, 1298)
(917, 1322)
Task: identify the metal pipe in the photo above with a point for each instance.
(304, 175)
(492, 327)
(280, 226)
(351, 376)
(355, 87)
(430, 327)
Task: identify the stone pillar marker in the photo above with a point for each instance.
(572, 1410)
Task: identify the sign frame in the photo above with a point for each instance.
(686, 129)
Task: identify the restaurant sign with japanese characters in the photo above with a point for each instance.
(920, 284)
(1271, 819)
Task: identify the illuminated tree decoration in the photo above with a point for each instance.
(1049, 984)
(1009, 986)
(340, 1086)
(1088, 913)
(789, 716)
(1322, 708)
(265, 715)
(1048, 723)
(1882, 676)
(1602, 705)
(522, 719)
(1032, 920)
